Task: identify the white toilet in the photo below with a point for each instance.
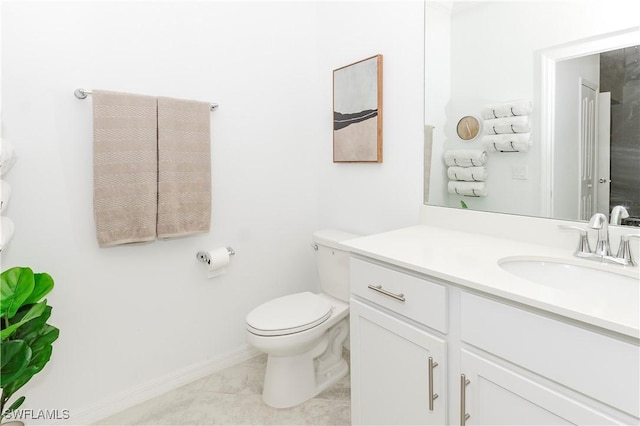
(303, 333)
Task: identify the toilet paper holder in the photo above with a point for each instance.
(203, 256)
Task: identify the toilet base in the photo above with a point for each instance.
(291, 380)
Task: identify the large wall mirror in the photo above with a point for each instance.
(578, 64)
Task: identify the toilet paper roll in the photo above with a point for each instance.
(218, 260)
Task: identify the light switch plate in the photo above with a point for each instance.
(520, 172)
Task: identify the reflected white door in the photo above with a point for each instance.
(604, 152)
(587, 196)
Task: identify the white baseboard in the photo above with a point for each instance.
(146, 391)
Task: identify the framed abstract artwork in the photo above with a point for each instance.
(357, 112)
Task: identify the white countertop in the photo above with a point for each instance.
(470, 260)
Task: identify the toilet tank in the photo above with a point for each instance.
(332, 260)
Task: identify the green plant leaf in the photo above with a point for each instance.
(16, 285)
(48, 334)
(43, 284)
(26, 338)
(36, 364)
(34, 312)
(32, 329)
(40, 359)
(32, 325)
(14, 360)
(18, 402)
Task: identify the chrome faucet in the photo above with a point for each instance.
(599, 221)
(617, 214)
(602, 251)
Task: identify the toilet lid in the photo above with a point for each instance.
(289, 314)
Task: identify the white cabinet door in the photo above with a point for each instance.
(599, 366)
(496, 395)
(391, 370)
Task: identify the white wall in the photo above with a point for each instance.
(493, 46)
(130, 316)
(365, 197)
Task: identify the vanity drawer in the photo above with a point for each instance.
(416, 298)
(594, 364)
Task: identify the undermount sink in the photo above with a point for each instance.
(584, 280)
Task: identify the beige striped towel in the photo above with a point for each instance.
(184, 167)
(125, 167)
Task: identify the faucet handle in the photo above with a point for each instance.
(583, 243)
(624, 250)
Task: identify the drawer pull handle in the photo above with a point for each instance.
(464, 416)
(381, 290)
(432, 395)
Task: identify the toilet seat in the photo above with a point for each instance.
(289, 314)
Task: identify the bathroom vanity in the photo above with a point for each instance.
(442, 334)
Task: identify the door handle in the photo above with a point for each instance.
(464, 416)
(432, 395)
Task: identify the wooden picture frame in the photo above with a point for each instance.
(357, 112)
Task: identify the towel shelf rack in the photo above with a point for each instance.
(83, 93)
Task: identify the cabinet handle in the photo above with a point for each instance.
(381, 290)
(432, 395)
(464, 416)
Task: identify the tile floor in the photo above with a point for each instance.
(234, 397)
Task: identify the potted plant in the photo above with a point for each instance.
(25, 337)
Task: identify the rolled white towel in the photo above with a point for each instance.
(472, 174)
(507, 109)
(518, 142)
(6, 232)
(465, 157)
(504, 125)
(5, 194)
(7, 157)
(471, 189)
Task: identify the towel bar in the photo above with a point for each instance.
(82, 94)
